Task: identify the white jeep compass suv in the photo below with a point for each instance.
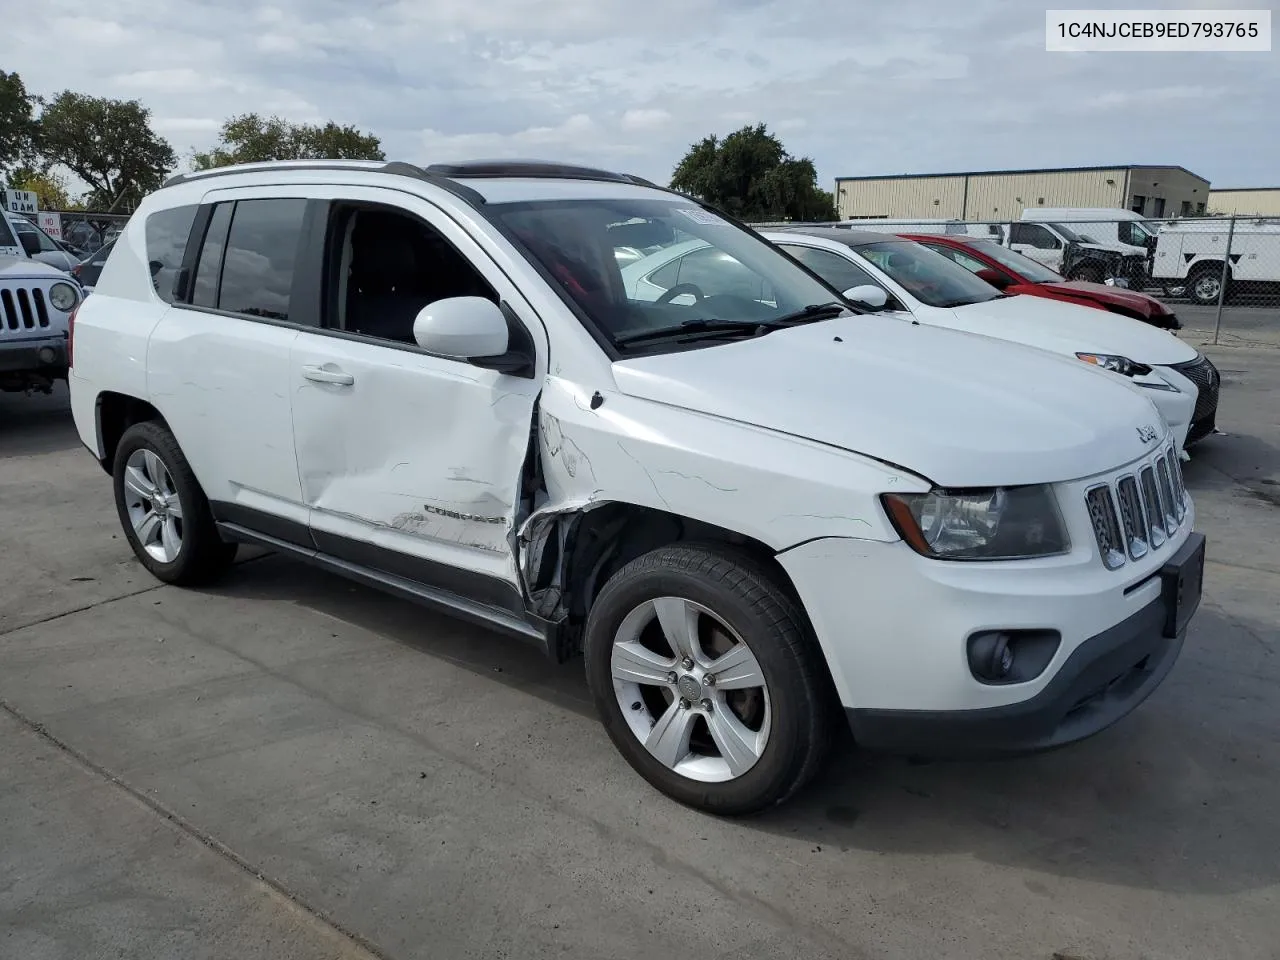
(751, 513)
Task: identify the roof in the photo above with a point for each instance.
(850, 238)
(469, 180)
(1243, 189)
(988, 173)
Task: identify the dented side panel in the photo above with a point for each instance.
(777, 489)
(421, 454)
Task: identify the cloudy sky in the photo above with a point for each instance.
(868, 87)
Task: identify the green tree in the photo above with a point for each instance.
(250, 138)
(750, 175)
(18, 126)
(109, 144)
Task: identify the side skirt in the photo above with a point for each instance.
(531, 629)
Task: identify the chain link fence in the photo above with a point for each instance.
(84, 232)
(1219, 275)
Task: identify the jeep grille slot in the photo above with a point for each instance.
(1132, 518)
(1151, 500)
(1166, 495)
(1106, 528)
(23, 309)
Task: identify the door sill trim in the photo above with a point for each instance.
(443, 600)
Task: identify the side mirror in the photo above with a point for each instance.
(30, 243)
(462, 328)
(477, 331)
(867, 295)
(994, 277)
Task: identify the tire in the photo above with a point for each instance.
(789, 720)
(1204, 285)
(200, 555)
(1089, 272)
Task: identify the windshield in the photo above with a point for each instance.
(927, 275)
(636, 266)
(7, 239)
(1031, 270)
(1070, 235)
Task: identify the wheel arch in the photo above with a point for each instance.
(114, 413)
(566, 557)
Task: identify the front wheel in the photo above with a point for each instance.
(707, 680)
(1089, 272)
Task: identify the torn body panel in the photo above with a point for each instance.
(420, 454)
(626, 468)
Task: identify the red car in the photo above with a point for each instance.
(1011, 272)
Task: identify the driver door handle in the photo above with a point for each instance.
(319, 374)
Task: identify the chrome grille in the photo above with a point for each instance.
(22, 309)
(1132, 519)
(1151, 501)
(1205, 376)
(1179, 486)
(1106, 529)
(1166, 495)
(1135, 514)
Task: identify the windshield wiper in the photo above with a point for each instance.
(813, 312)
(749, 328)
(698, 327)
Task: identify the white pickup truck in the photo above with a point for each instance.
(1191, 253)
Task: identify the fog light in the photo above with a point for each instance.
(46, 355)
(990, 657)
(999, 657)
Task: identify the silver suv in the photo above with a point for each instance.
(36, 303)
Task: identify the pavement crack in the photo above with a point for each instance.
(190, 829)
(23, 625)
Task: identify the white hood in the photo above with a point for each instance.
(20, 268)
(1065, 328)
(958, 409)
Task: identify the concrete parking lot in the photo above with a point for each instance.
(292, 766)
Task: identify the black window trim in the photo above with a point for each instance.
(311, 258)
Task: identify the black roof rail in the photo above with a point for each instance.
(443, 175)
(394, 167)
(533, 169)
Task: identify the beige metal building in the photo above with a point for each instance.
(1154, 191)
(1246, 201)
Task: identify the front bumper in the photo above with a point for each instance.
(1208, 382)
(894, 627)
(45, 355)
(1103, 680)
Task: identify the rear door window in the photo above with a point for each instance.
(167, 233)
(261, 252)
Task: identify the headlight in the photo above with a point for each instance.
(63, 296)
(1121, 365)
(999, 523)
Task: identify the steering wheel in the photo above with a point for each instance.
(679, 290)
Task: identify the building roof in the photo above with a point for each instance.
(1243, 189)
(988, 173)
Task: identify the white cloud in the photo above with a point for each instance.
(913, 86)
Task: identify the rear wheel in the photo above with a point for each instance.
(1204, 286)
(707, 679)
(162, 509)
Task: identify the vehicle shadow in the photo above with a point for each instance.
(267, 576)
(1177, 797)
(36, 424)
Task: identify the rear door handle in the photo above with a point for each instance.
(322, 375)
